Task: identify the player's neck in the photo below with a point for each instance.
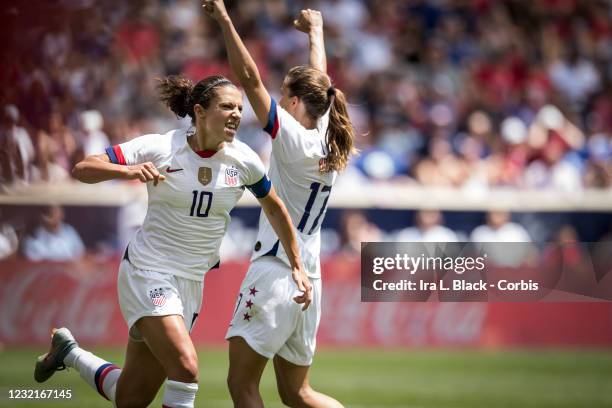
(306, 121)
(298, 111)
(200, 144)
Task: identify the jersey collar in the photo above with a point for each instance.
(206, 153)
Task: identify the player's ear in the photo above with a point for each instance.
(199, 110)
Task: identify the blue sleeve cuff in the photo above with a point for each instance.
(272, 125)
(112, 155)
(261, 188)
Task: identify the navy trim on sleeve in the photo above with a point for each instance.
(272, 125)
(261, 188)
(111, 154)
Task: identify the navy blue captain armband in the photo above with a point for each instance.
(272, 125)
(261, 188)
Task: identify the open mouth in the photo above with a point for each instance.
(231, 128)
(232, 125)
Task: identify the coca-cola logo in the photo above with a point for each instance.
(347, 320)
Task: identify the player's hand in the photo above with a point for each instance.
(304, 286)
(215, 9)
(144, 172)
(308, 20)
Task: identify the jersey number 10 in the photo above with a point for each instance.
(197, 212)
(314, 187)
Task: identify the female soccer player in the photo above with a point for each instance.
(312, 138)
(197, 178)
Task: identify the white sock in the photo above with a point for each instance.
(179, 394)
(101, 375)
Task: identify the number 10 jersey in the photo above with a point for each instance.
(188, 213)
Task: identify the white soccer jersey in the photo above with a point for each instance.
(188, 213)
(294, 170)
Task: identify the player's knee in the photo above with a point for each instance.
(296, 398)
(186, 369)
(132, 399)
(306, 396)
(286, 397)
(289, 397)
(189, 369)
(241, 387)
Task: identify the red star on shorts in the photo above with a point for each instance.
(249, 304)
(253, 291)
(247, 317)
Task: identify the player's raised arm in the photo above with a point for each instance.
(281, 223)
(311, 23)
(97, 168)
(241, 61)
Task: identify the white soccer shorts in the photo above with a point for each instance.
(267, 317)
(148, 293)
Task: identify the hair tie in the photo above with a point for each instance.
(331, 91)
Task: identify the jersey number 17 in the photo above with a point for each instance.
(314, 187)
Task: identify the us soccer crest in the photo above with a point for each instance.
(231, 176)
(204, 175)
(158, 297)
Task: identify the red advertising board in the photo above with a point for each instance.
(34, 297)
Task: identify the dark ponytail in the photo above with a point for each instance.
(181, 95)
(175, 92)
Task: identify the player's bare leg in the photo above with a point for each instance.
(245, 371)
(168, 340)
(294, 387)
(141, 377)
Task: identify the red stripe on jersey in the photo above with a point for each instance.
(275, 128)
(119, 154)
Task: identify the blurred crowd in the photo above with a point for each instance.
(48, 236)
(466, 93)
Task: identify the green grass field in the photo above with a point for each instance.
(378, 378)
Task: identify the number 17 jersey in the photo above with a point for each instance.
(297, 155)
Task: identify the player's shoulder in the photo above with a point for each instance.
(239, 146)
(153, 139)
(288, 122)
(294, 133)
(241, 152)
(166, 143)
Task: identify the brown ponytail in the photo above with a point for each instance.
(315, 90)
(340, 133)
(180, 95)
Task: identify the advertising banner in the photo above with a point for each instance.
(35, 297)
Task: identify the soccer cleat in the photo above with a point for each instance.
(62, 342)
